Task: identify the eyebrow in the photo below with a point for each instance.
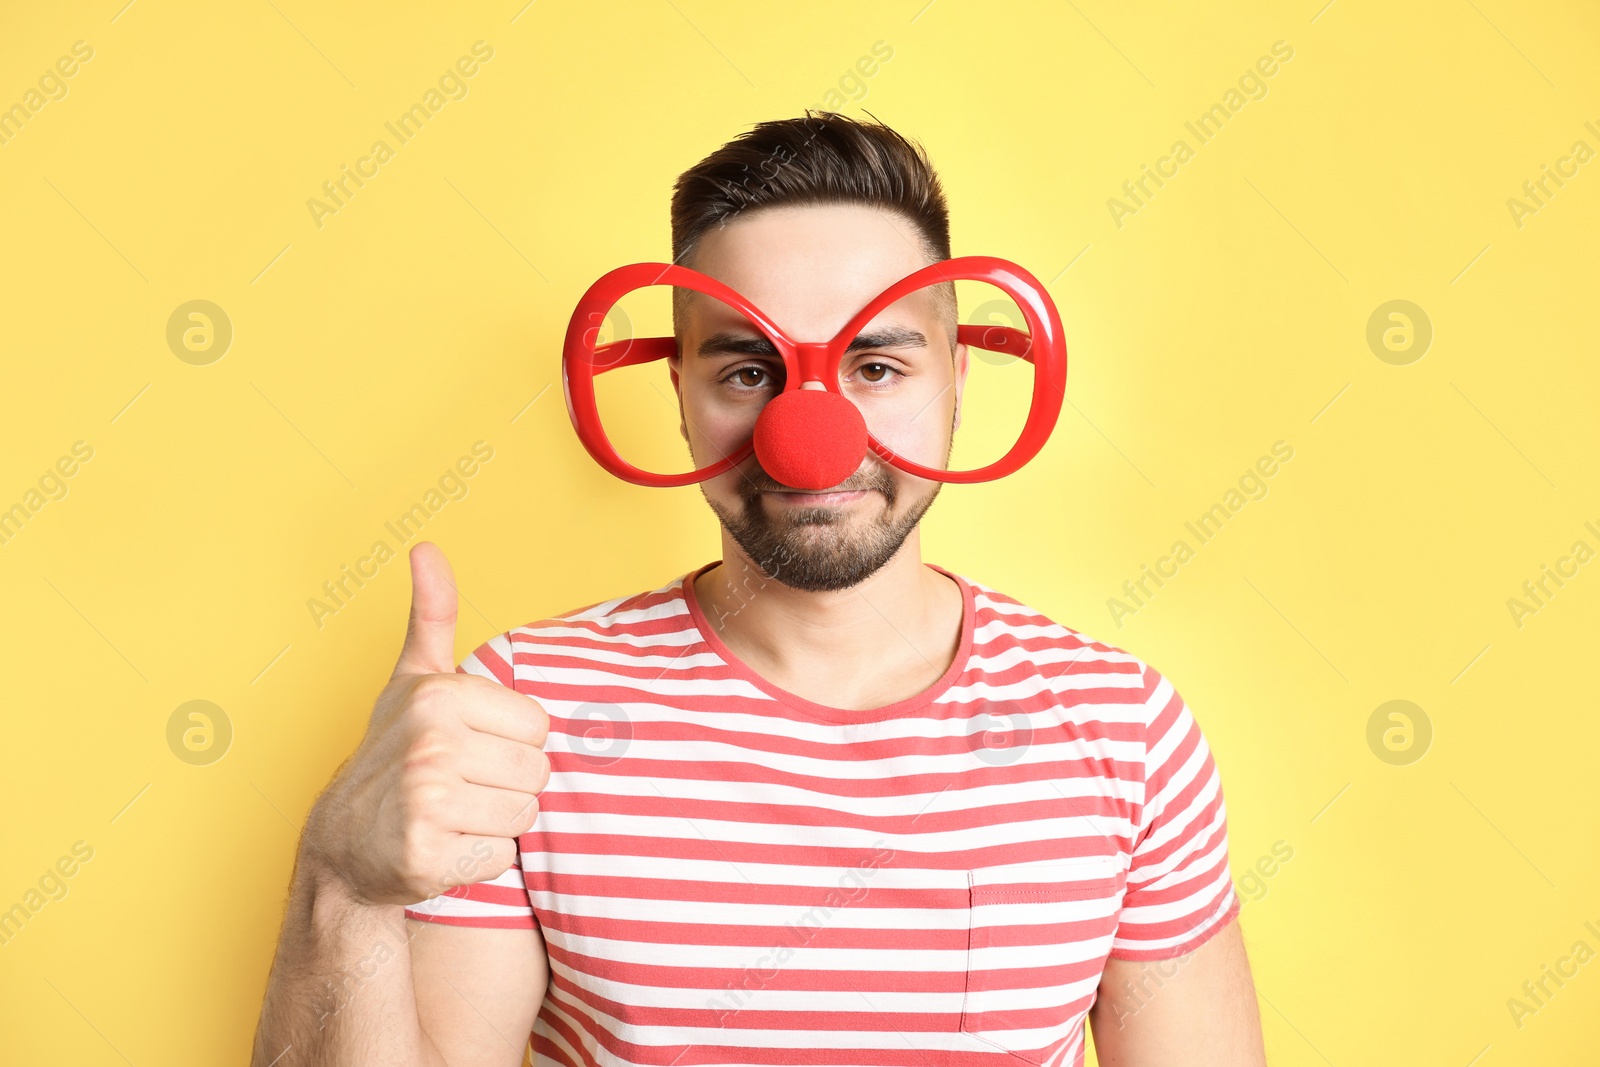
(728, 343)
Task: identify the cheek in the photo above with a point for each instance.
(715, 430)
(918, 428)
(724, 490)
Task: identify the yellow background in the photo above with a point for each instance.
(1228, 313)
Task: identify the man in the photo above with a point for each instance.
(754, 815)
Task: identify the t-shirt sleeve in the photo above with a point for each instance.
(1179, 891)
(497, 902)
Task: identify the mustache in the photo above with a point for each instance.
(761, 482)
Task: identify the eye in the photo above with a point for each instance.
(877, 373)
(749, 376)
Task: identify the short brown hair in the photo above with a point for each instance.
(821, 158)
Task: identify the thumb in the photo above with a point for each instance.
(431, 631)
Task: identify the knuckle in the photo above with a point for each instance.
(528, 761)
(433, 694)
(540, 771)
(418, 865)
(474, 864)
(426, 797)
(519, 814)
(530, 768)
(499, 864)
(541, 722)
(432, 746)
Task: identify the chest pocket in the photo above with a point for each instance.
(1037, 941)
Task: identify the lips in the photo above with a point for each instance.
(831, 497)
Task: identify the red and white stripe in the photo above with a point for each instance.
(726, 873)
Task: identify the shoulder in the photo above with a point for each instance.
(1106, 693)
(622, 631)
(1080, 667)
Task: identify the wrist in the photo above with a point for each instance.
(325, 867)
(333, 910)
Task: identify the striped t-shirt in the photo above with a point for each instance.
(726, 873)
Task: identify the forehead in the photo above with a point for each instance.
(809, 268)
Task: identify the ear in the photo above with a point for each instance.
(961, 382)
(673, 363)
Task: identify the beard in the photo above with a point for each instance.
(821, 549)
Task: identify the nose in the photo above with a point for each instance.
(809, 438)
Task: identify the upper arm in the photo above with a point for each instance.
(478, 957)
(1177, 985)
(1198, 1009)
(480, 968)
(478, 989)
(1178, 888)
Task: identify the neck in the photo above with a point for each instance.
(899, 629)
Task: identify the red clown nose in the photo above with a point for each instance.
(810, 438)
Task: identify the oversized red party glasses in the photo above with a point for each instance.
(815, 438)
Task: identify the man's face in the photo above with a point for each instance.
(810, 269)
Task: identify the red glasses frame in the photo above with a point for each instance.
(815, 361)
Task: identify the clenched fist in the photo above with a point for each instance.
(448, 773)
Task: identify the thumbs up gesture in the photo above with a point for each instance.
(448, 773)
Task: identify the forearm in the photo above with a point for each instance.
(340, 991)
